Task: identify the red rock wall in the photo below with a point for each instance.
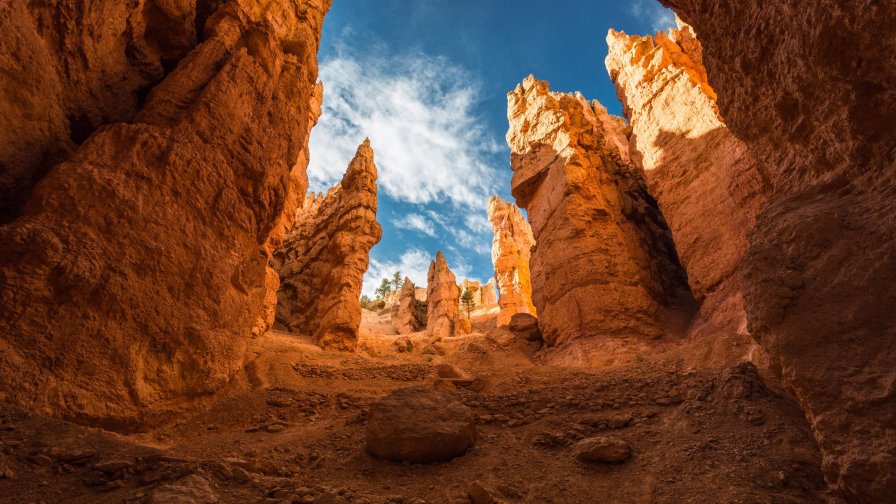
(130, 284)
(809, 87)
(603, 263)
(704, 179)
(323, 259)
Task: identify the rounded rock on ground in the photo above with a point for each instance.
(525, 325)
(605, 449)
(419, 425)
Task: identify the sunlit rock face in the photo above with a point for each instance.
(442, 298)
(704, 179)
(487, 293)
(132, 280)
(810, 90)
(511, 251)
(408, 317)
(603, 263)
(323, 259)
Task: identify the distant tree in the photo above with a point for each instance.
(384, 288)
(396, 281)
(466, 299)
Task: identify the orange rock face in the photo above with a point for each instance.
(323, 259)
(811, 92)
(511, 250)
(603, 263)
(442, 298)
(408, 316)
(487, 293)
(131, 282)
(704, 179)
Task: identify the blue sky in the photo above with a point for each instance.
(427, 80)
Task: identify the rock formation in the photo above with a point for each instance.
(810, 90)
(442, 298)
(323, 259)
(474, 287)
(511, 250)
(703, 178)
(132, 279)
(410, 315)
(487, 293)
(603, 263)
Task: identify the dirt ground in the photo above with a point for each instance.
(291, 428)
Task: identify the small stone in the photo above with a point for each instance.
(604, 449)
(478, 494)
(112, 466)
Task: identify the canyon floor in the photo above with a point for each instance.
(291, 428)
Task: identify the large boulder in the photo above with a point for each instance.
(419, 425)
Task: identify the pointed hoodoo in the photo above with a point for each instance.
(324, 257)
(511, 250)
(602, 264)
(410, 314)
(442, 298)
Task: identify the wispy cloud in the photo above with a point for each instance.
(650, 11)
(415, 222)
(418, 112)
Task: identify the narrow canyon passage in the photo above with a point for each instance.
(364, 252)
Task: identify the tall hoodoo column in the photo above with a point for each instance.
(603, 263)
(704, 179)
(133, 277)
(323, 259)
(511, 251)
(810, 91)
(442, 298)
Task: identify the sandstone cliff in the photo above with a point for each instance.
(131, 282)
(442, 298)
(487, 293)
(323, 259)
(810, 90)
(704, 179)
(511, 250)
(410, 314)
(603, 263)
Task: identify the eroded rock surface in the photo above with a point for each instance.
(410, 314)
(131, 282)
(810, 91)
(603, 263)
(511, 250)
(704, 179)
(323, 259)
(419, 425)
(442, 298)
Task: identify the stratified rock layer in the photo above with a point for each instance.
(323, 259)
(131, 282)
(406, 317)
(442, 298)
(511, 250)
(603, 263)
(810, 90)
(704, 179)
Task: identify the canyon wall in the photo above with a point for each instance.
(442, 298)
(132, 278)
(603, 263)
(704, 179)
(322, 260)
(511, 252)
(809, 88)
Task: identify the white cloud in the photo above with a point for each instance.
(417, 111)
(651, 11)
(415, 222)
(413, 264)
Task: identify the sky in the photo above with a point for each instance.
(426, 81)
